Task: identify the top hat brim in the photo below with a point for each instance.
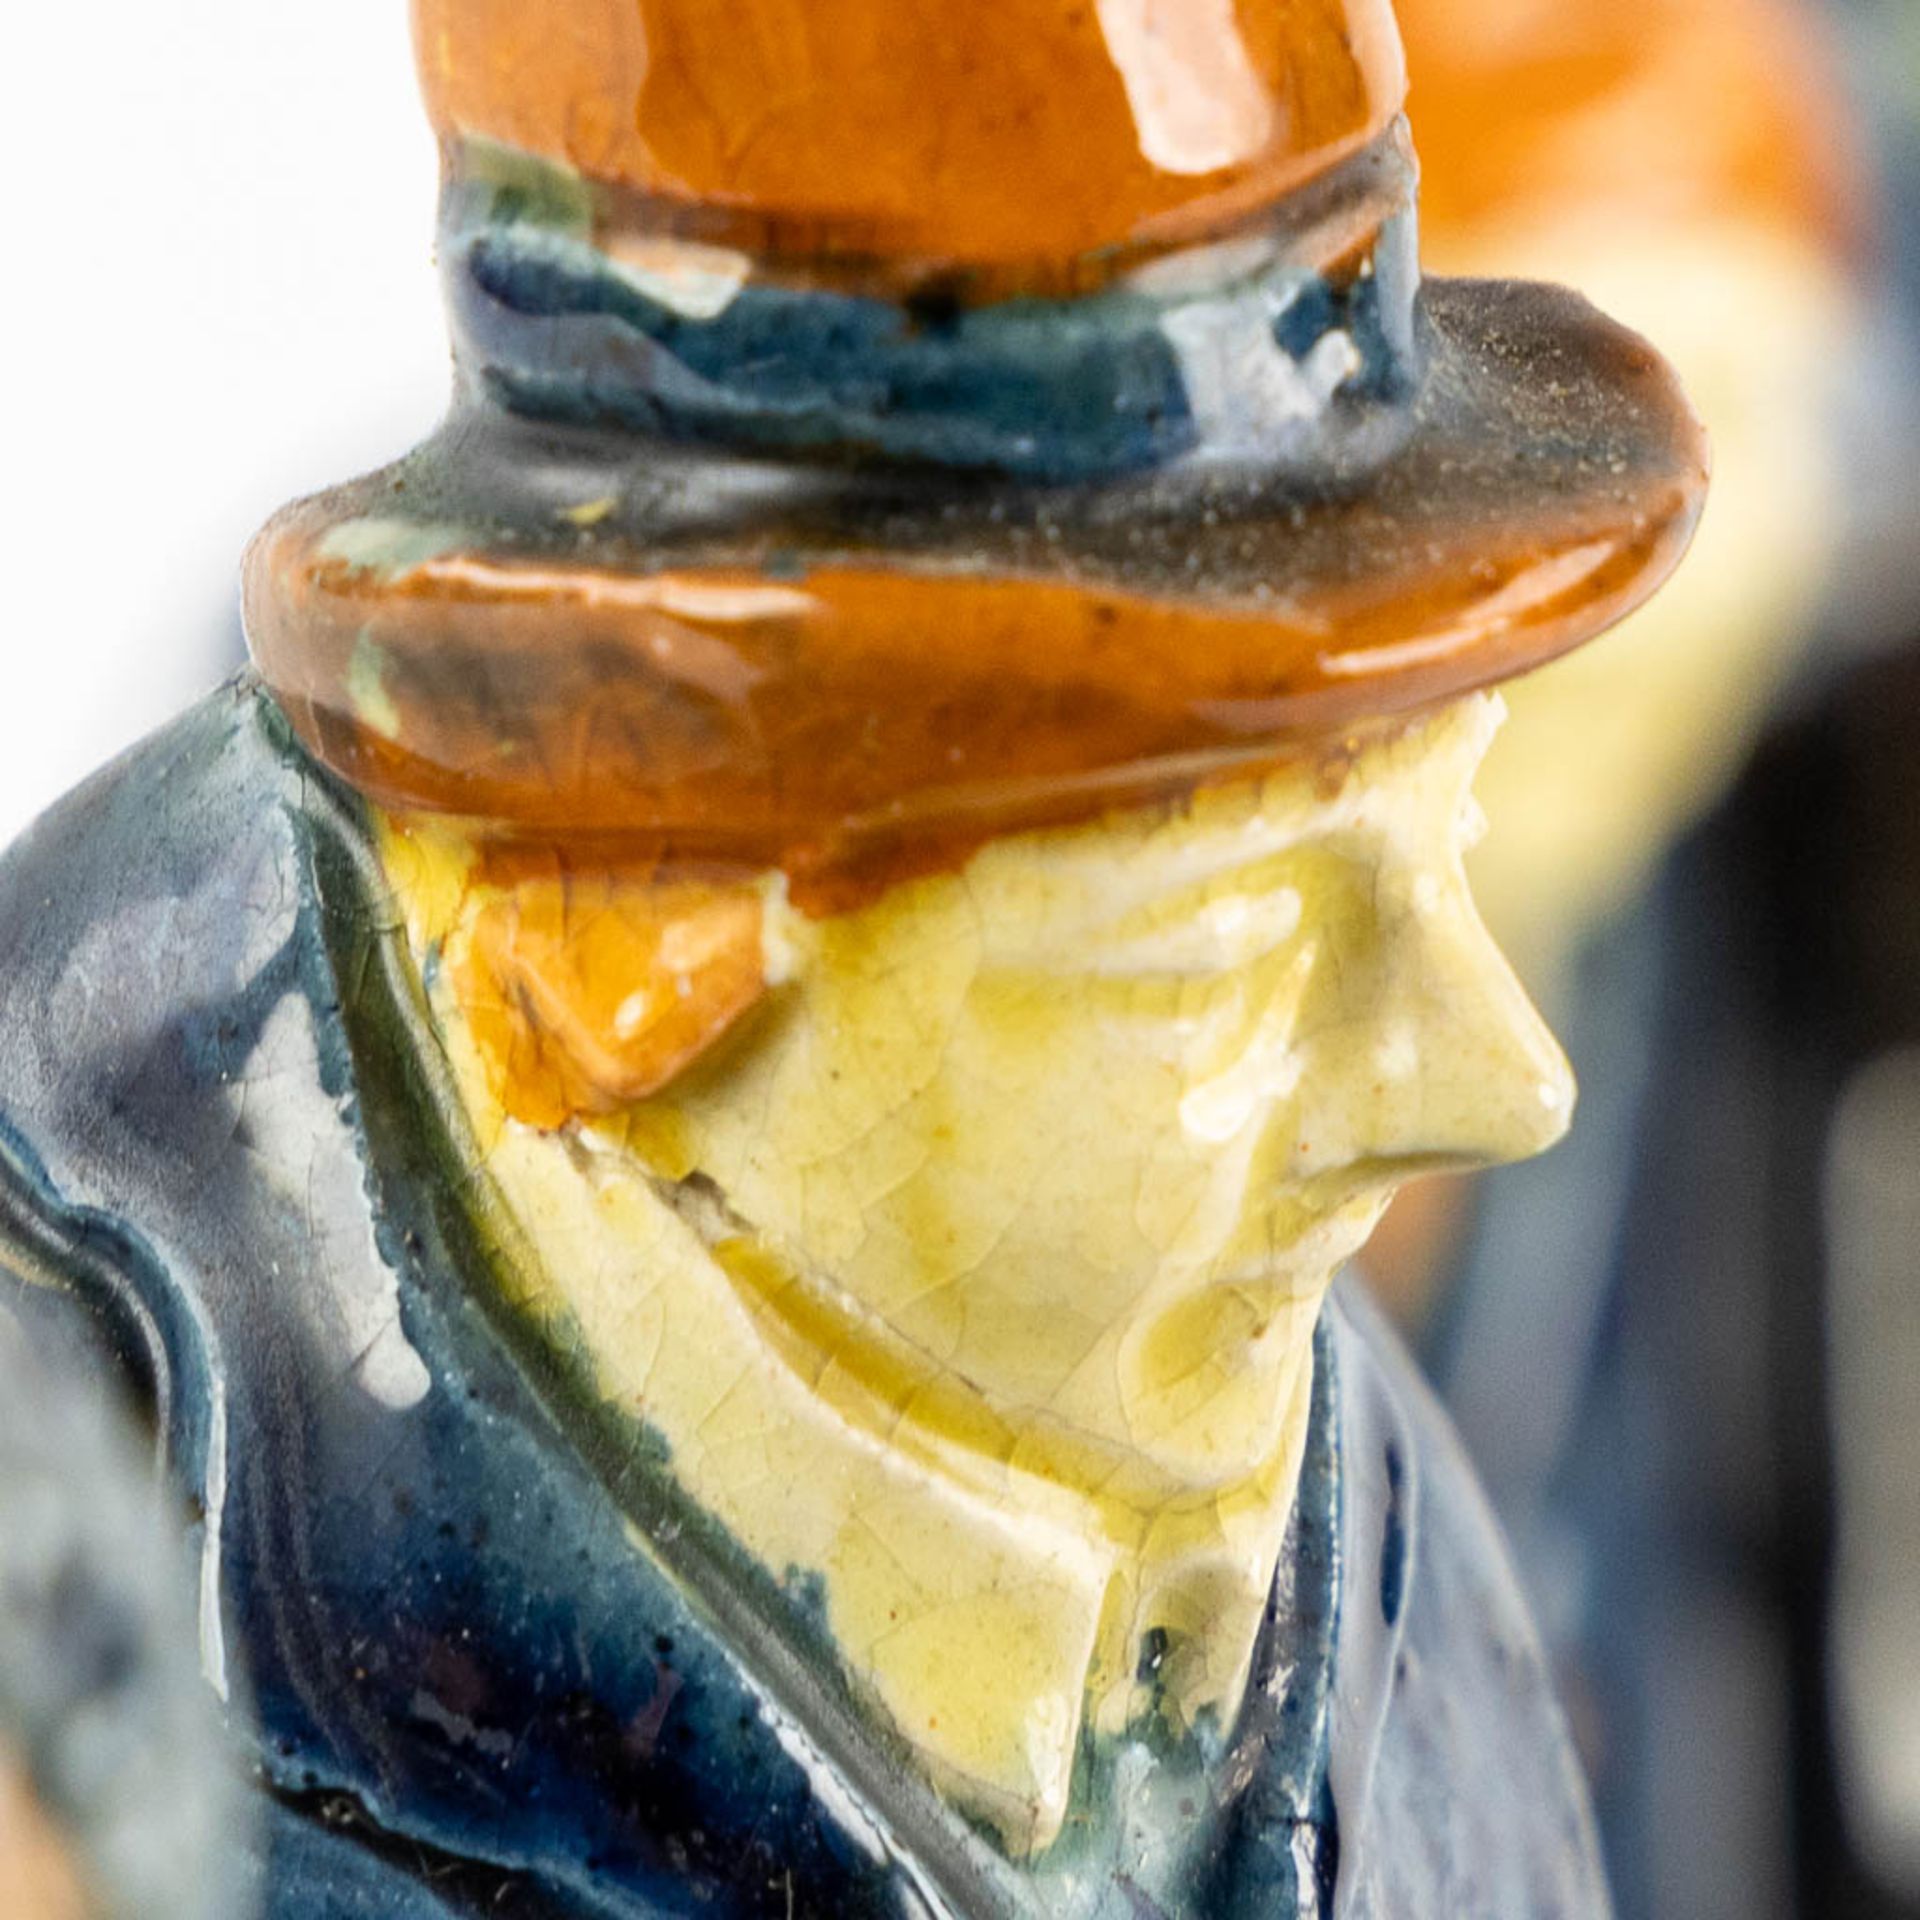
(557, 631)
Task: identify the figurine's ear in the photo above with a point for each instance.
(587, 992)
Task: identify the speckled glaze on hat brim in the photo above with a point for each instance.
(568, 632)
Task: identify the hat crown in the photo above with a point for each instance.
(1018, 455)
(980, 134)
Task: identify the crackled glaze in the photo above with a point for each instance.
(717, 1109)
(1026, 1412)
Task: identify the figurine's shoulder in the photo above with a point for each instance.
(162, 879)
(166, 790)
(149, 924)
(469, 1671)
(1451, 1763)
(161, 933)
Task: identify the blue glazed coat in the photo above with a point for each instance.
(500, 1665)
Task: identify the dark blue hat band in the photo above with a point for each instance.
(1245, 351)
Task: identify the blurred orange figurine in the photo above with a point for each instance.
(1690, 164)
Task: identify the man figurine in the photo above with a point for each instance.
(717, 1109)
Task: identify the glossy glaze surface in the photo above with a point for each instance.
(1040, 1419)
(811, 673)
(505, 1662)
(997, 133)
(850, 898)
(720, 560)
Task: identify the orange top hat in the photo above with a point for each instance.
(880, 426)
(996, 133)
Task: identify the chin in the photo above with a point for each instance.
(1305, 1265)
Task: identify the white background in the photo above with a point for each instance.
(216, 292)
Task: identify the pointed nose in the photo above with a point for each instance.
(1451, 1065)
(1499, 1086)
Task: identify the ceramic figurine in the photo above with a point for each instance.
(719, 1104)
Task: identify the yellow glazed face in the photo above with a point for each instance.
(1086, 1122)
(973, 1275)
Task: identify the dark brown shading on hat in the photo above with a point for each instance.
(563, 635)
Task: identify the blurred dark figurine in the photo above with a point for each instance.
(118, 1797)
(1665, 1476)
